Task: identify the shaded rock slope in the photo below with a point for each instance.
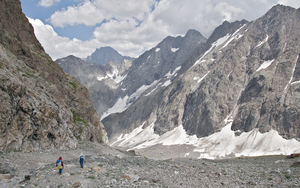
(246, 74)
(101, 80)
(41, 106)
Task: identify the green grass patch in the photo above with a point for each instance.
(74, 85)
(29, 75)
(91, 177)
(77, 118)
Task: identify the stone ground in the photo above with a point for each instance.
(107, 167)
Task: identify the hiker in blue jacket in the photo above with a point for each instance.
(81, 160)
(60, 165)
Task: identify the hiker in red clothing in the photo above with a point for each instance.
(60, 165)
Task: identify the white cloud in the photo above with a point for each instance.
(57, 46)
(47, 3)
(96, 11)
(85, 13)
(228, 12)
(131, 26)
(293, 3)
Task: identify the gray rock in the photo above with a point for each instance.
(41, 106)
(77, 184)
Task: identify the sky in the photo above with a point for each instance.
(79, 27)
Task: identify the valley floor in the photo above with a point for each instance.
(107, 167)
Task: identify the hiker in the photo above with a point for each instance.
(81, 160)
(60, 165)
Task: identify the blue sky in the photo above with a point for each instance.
(32, 9)
(78, 27)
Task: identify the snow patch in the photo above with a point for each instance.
(123, 103)
(229, 74)
(283, 50)
(167, 83)
(221, 40)
(285, 89)
(174, 49)
(138, 136)
(157, 49)
(169, 74)
(114, 76)
(296, 82)
(101, 78)
(214, 45)
(119, 106)
(217, 145)
(262, 42)
(235, 36)
(231, 39)
(152, 90)
(200, 79)
(265, 65)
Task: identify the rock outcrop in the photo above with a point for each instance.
(41, 106)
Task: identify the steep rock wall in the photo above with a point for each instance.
(41, 106)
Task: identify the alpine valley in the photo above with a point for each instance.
(186, 101)
(235, 93)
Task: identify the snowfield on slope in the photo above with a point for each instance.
(221, 144)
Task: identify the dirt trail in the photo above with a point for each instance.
(107, 167)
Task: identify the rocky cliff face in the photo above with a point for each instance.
(247, 76)
(41, 106)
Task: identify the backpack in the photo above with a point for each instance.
(81, 158)
(58, 163)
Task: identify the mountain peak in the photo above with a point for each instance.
(192, 32)
(105, 55)
(225, 28)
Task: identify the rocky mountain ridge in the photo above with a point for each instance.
(246, 78)
(41, 106)
(109, 83)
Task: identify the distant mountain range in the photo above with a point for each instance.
(109, 81)
(235, 93)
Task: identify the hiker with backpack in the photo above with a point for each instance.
(60, 165)
(81, 160)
